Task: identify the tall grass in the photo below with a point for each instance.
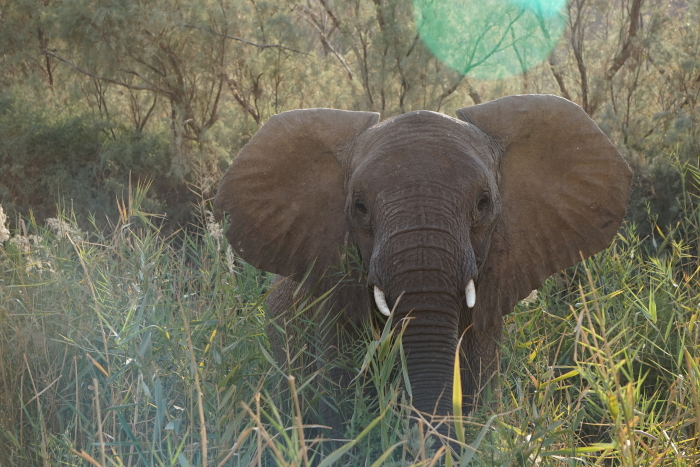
(129, 348)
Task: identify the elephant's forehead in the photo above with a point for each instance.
(423, 145)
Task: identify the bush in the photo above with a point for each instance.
(72, 159)
(135, 348)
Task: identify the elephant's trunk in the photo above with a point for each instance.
(429, 266)
(430, 354)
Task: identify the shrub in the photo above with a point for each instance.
(72, 159)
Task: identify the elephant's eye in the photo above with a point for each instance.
(360, 206)
(484, 202)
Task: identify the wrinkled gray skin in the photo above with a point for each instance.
(511, 192)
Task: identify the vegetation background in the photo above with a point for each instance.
(130, 335)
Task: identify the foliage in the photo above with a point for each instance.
(81, 161)
(193, 81)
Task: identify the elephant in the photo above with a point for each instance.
(460, 217)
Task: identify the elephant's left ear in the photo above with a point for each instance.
(564, 191)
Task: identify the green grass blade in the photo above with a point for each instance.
(338, 453)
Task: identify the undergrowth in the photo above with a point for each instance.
(127, 347)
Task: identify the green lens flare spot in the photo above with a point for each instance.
(490, 39)
(545, 8)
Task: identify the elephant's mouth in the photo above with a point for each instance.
(380, 298)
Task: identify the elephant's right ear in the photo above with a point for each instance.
(284, 192)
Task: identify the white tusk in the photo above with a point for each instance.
(471, 294)
(380, 300)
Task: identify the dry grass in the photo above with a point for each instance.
(131, 349)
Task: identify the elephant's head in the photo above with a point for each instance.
(463, 217)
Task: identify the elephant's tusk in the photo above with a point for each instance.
(380, 300)
(471, 294)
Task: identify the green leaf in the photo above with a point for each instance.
(338, 453)
(130, 434)
(595, 447)
(404, 371)
(474, 446)
(457, 395)
(570, 374)
(386, 454)
(652, 306)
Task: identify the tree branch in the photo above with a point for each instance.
(327, 43)
(151, 87)
(144, 120)
(333, 18)
(233, 86)
(452, 88)
(576, 41)
(627, 48)
(244, 41)
(473, 93)
(558, 76)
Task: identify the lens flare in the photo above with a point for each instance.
(490, 39)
